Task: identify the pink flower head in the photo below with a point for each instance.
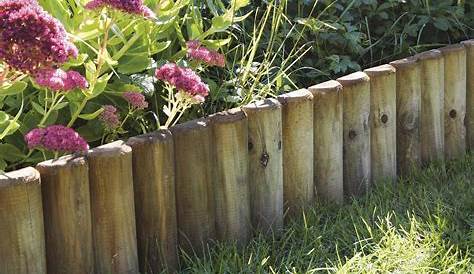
(56, 138)
(129, 6)
(31, 39)
(135, 99)
(110, 117)
(203, 54)
(59, 80)
(184, 79)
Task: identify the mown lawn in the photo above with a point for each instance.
(423, 224)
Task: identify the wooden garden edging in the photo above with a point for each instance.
(129, 207)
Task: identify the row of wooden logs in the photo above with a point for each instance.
(228, 175)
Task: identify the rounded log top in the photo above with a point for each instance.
(300, 95)
(27, 175)
(325, 87)
(428, 55)
(380, 70)
(110, 150)
(159, 136)
(405, 62)
(262, 105)
(193, 125)
(353, 79)
(64, 161)
(228, 116)
(468, 43)
(452, 49)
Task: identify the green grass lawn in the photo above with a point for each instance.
(422, 224)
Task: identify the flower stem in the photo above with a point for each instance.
(77, 112)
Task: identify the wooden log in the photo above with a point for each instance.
(408, 115)
(155, 201)
(328, 139)
(454, 101)
(297, 132)
(383, 126)
(356, 98)
(194, 183)
(231, 187)
(432, 106)
(22, 243)
(469, 121)
(67, 215)
(266, 165)
(112, 207)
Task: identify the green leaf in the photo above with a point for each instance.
(91, 116)
(220, 23)
(38, 108)
(100, 85)
(12, 88)
(134, 63)
(78, 61)
(238, 4)
(4, 117)
(11, 153)
(3, 165)
(60, 105)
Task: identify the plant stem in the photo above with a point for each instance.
(77, 112)
(54, 104)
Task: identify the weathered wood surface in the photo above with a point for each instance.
(231, 186)
(328, 139)
(194, 185)
(67, 215)
(297, 137)
(113, 209)
(408, 114)
(357, 167)
(265, 164)
(469, 121)
(22, 243)
(155, 201)
(432, 106)
(383, 125)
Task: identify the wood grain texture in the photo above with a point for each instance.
(231, 187)
(67, 215)
(22, 243)
(432, 106)
(297, 137)
(356, 97)
(155, 201)
(194, 185)
(383, 126)
(266, 164)
(469, 121)
(328, 139)
(454, 101)
(408, 115)
(113, 209)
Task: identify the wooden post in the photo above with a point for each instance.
(454, 101)
(231, 187)
(383, 126)
(469, 45)
(328, 139)
(194, 183)
(266, 164)
(113, 210)
(432, 106)
(297, 132)
(408, 114)
(356, 95)
(67, 215)
(22, 244)
(155, 201)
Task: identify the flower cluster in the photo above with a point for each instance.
(56, 138)
(135, 99)
(197, 52)
(184, 79)
(31, 39)
(59, 80)
(129, 6)
(110, 117)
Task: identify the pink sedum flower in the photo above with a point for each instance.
(31, 39)
(59, 80)
(56, 138)
(110, 117)
(203, 54)
(129, 6)
(184, 79)
(135, 99)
